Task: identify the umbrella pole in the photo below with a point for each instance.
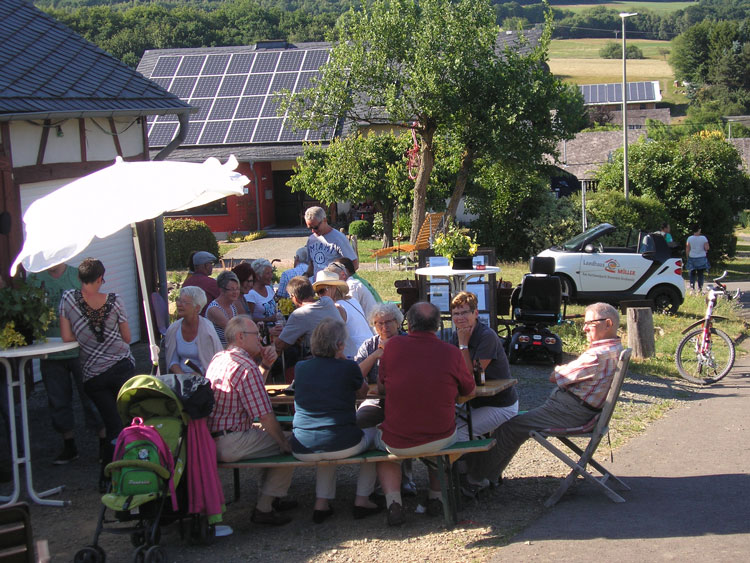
(153, 347)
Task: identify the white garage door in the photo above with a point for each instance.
(115, 252)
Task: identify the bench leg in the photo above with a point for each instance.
(236, 473)
(448, 490)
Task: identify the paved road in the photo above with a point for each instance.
(690, 497)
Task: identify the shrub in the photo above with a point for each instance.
(182, 236)
(525, 222)
(255, 235)
(360, 228)
(613, 50)
(744, 218)
(643, 213)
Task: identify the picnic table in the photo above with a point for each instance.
(490, 388)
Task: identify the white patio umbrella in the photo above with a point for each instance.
(62, 224)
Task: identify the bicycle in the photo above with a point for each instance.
(706, 354)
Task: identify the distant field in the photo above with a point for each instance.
(577, 61)
(589, 48)
(656, 7)
(588, 71)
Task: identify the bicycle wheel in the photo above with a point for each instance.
(707, 368)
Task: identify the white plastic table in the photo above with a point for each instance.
(23, 355)
(457, 279)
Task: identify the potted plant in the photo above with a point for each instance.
(25, 315)
(457, 246)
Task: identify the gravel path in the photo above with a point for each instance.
(484, 525)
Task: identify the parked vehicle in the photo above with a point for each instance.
(602, 265)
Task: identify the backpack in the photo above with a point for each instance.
(151, 462)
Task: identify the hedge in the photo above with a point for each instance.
(182, 236)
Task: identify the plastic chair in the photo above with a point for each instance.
(595, 429)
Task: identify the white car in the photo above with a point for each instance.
(643, 268)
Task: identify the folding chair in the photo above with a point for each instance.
(595, 429)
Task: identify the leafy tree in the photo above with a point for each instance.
(518, 99)
(397, 62)
(699, 179)
(433, 63)
(357, 168)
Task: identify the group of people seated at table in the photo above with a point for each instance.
(419, 375)
(247, 289)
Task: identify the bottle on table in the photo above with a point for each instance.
(478, 373)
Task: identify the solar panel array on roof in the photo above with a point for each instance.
(612, 93)
(235, 95)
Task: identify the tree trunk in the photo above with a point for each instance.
(467, 159)
(641, 331)
(427, 161)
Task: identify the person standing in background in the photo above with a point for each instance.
(61, 372)
(325, 244)
(697, 257)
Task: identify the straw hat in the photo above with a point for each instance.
(324, 277)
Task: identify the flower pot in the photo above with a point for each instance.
(462, 263)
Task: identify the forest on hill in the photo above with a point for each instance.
(710, 50)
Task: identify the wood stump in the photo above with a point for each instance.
(641, 331)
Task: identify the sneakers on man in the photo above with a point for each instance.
(68, 454)
(395, 514)
(472, 490)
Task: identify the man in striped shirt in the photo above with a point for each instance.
(240, 397)
(582, 387)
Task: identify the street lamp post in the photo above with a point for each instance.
(624, 15)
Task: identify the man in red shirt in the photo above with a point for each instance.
(421, 377)
(240, 396)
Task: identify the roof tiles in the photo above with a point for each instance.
(45, 68)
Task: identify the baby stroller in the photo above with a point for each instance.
(535, 306)
(144, 502)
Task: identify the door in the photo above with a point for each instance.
(288, 205)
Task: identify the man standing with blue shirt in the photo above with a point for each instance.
(325, 244)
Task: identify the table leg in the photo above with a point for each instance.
(26, 459)
(457, 285)
(448, 490)
(13, 442)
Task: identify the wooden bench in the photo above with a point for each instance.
(432, 222)
(445, 458)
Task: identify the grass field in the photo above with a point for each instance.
(656, 7)
(589, 48)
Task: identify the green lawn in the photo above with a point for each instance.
(589, 48)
